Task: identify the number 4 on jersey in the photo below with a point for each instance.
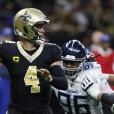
(31, 79)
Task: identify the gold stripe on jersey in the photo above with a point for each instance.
(30, 58)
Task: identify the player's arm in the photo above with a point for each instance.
(94, 91)
(55, 75)
(58, 77)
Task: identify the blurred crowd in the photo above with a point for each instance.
(69, 19)
(90, 21)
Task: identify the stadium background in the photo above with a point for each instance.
(84, 20)
(68, 18)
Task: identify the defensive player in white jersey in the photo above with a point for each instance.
(87, 88)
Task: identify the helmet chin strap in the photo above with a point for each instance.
(71, 77)
(17, 32)
(38, 41)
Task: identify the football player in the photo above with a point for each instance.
(33, 64)
(87, 89)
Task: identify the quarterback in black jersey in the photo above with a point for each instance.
(33, 64)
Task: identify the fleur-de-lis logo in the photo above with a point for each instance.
(25, 17)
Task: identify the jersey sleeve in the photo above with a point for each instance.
(94, 66)
(95, 83)
(91, 82)
(4, 48)
(91, 86)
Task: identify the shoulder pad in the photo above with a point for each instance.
(52, 44)
(6, 42)
(91, 66)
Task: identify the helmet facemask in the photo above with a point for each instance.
(41, 34)
(72, 67)
(73, 52)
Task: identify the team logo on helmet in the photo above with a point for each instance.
(25, 17)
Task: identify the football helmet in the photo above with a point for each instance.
(25, 21)
(73, 56)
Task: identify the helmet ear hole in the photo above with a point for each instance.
(25, 29)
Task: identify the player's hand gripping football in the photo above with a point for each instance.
(45, 74)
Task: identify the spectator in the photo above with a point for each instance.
(106, 60)
(33, 64)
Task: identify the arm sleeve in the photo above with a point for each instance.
(59, 79)
(91, 87)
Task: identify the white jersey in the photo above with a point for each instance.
(78, 100)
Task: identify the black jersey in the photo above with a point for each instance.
(29, 92)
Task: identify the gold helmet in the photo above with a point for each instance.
(25, 20)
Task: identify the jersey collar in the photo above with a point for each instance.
(32, 57)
